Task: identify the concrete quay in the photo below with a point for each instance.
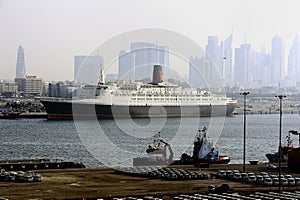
(105, 183)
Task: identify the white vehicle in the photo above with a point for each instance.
(259, 179)
(266, 176)
(264, 173)
(251, 179)
(244, 176)
(251, 174)
(297, 181)
(221, 173)
(268, 181)
(12, 176)
(288, 176)
(284, 181)
(275, 181)
(291, 181)
(237, 176)
(229, 174)
(273, 176)
(282, 176)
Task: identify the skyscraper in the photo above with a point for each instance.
(214, 54)
(278, 68)
(126, 66)
(200, 72)
(20, 67)
(227, 59)
(241, 66)
(294, 61)
(138, 63)
(87, 68)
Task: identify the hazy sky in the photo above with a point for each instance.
(53, 31)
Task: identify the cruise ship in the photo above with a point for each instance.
(128, 99)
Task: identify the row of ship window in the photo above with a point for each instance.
(168, 99)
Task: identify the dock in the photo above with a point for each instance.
(38, 164)
(105, 183)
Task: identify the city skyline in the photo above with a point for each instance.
(269, 69)
(52, 32)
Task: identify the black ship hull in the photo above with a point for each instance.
(71, 110)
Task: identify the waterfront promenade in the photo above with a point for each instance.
(105, 183)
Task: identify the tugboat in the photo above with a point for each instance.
(156, 154)
(274, 157)
(204, 152)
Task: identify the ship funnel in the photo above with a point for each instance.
(158, 76)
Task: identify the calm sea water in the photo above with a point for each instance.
(114, 142)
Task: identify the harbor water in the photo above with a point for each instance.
(110, 142)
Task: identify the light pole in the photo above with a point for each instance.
(244, 153)
(280, 125)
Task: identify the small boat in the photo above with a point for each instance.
(204, 152)
(156, 154)
(274, 157)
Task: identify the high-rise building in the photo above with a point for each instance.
(20, 67)
(215, 55)
(260, 69)
(227, 60)
(200, 72)
(126, 66)
(138, 63)
(294, 61)
(278, 68)
(241, 66)
(87, 68)
(30, 85)
(8, 87)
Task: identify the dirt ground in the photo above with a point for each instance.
(104, 183)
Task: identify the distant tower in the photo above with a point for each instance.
(20, 68)
(137, 63)
(242, 66)
(86, 68)
(278, 67)
(294, 61)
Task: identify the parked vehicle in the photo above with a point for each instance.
(237, 176)
(297, 181)
(291, 181)
(288, 176)
(275, 181)
(284, 181)
(244, 176)
(273, 176)
(259, 179)
(264, 173)
(268, 181)
(221, 173)
(229, 173)
(251, 179)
